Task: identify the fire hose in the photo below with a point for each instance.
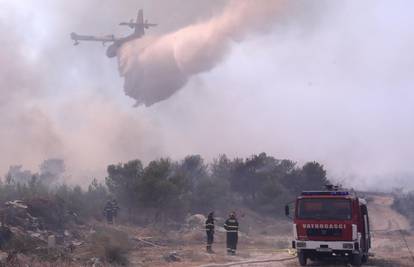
(248, 262)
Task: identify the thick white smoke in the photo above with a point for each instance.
(156, 68)
(331, 82)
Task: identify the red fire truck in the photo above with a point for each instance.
(330, 224)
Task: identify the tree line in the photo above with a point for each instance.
(168, 190)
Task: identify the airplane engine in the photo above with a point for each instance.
(112, 50)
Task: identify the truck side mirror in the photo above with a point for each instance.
(287, 210)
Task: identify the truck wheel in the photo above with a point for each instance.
(302, 258)
(356, 260)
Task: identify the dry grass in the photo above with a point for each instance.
(111, 245)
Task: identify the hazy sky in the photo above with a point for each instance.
(331, 81)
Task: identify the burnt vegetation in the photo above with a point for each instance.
(45, 220)
(165, 190)
(404, 203)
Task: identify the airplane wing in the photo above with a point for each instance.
(105, 39)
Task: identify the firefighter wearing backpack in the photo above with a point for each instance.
(232, 228)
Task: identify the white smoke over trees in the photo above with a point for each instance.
(331, 82)
(156, 67)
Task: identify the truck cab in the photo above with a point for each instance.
(330, 224)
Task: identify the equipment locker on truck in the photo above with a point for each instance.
(330, 224)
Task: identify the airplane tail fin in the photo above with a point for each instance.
(140, 17)
(140, 22)
(139, 25)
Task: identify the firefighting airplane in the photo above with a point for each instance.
(139, 27)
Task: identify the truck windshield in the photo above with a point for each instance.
(324, 209)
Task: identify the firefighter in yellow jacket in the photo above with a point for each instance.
(232, 228)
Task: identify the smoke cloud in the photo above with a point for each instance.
(306, 80)
(156, 67)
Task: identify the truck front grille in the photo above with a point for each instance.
(324, 232)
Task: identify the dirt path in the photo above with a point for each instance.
(383, 217)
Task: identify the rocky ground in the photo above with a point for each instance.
(263, 242)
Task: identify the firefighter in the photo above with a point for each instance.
(115, 209)
(210, 232)
(109, 212)
(232, 227)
